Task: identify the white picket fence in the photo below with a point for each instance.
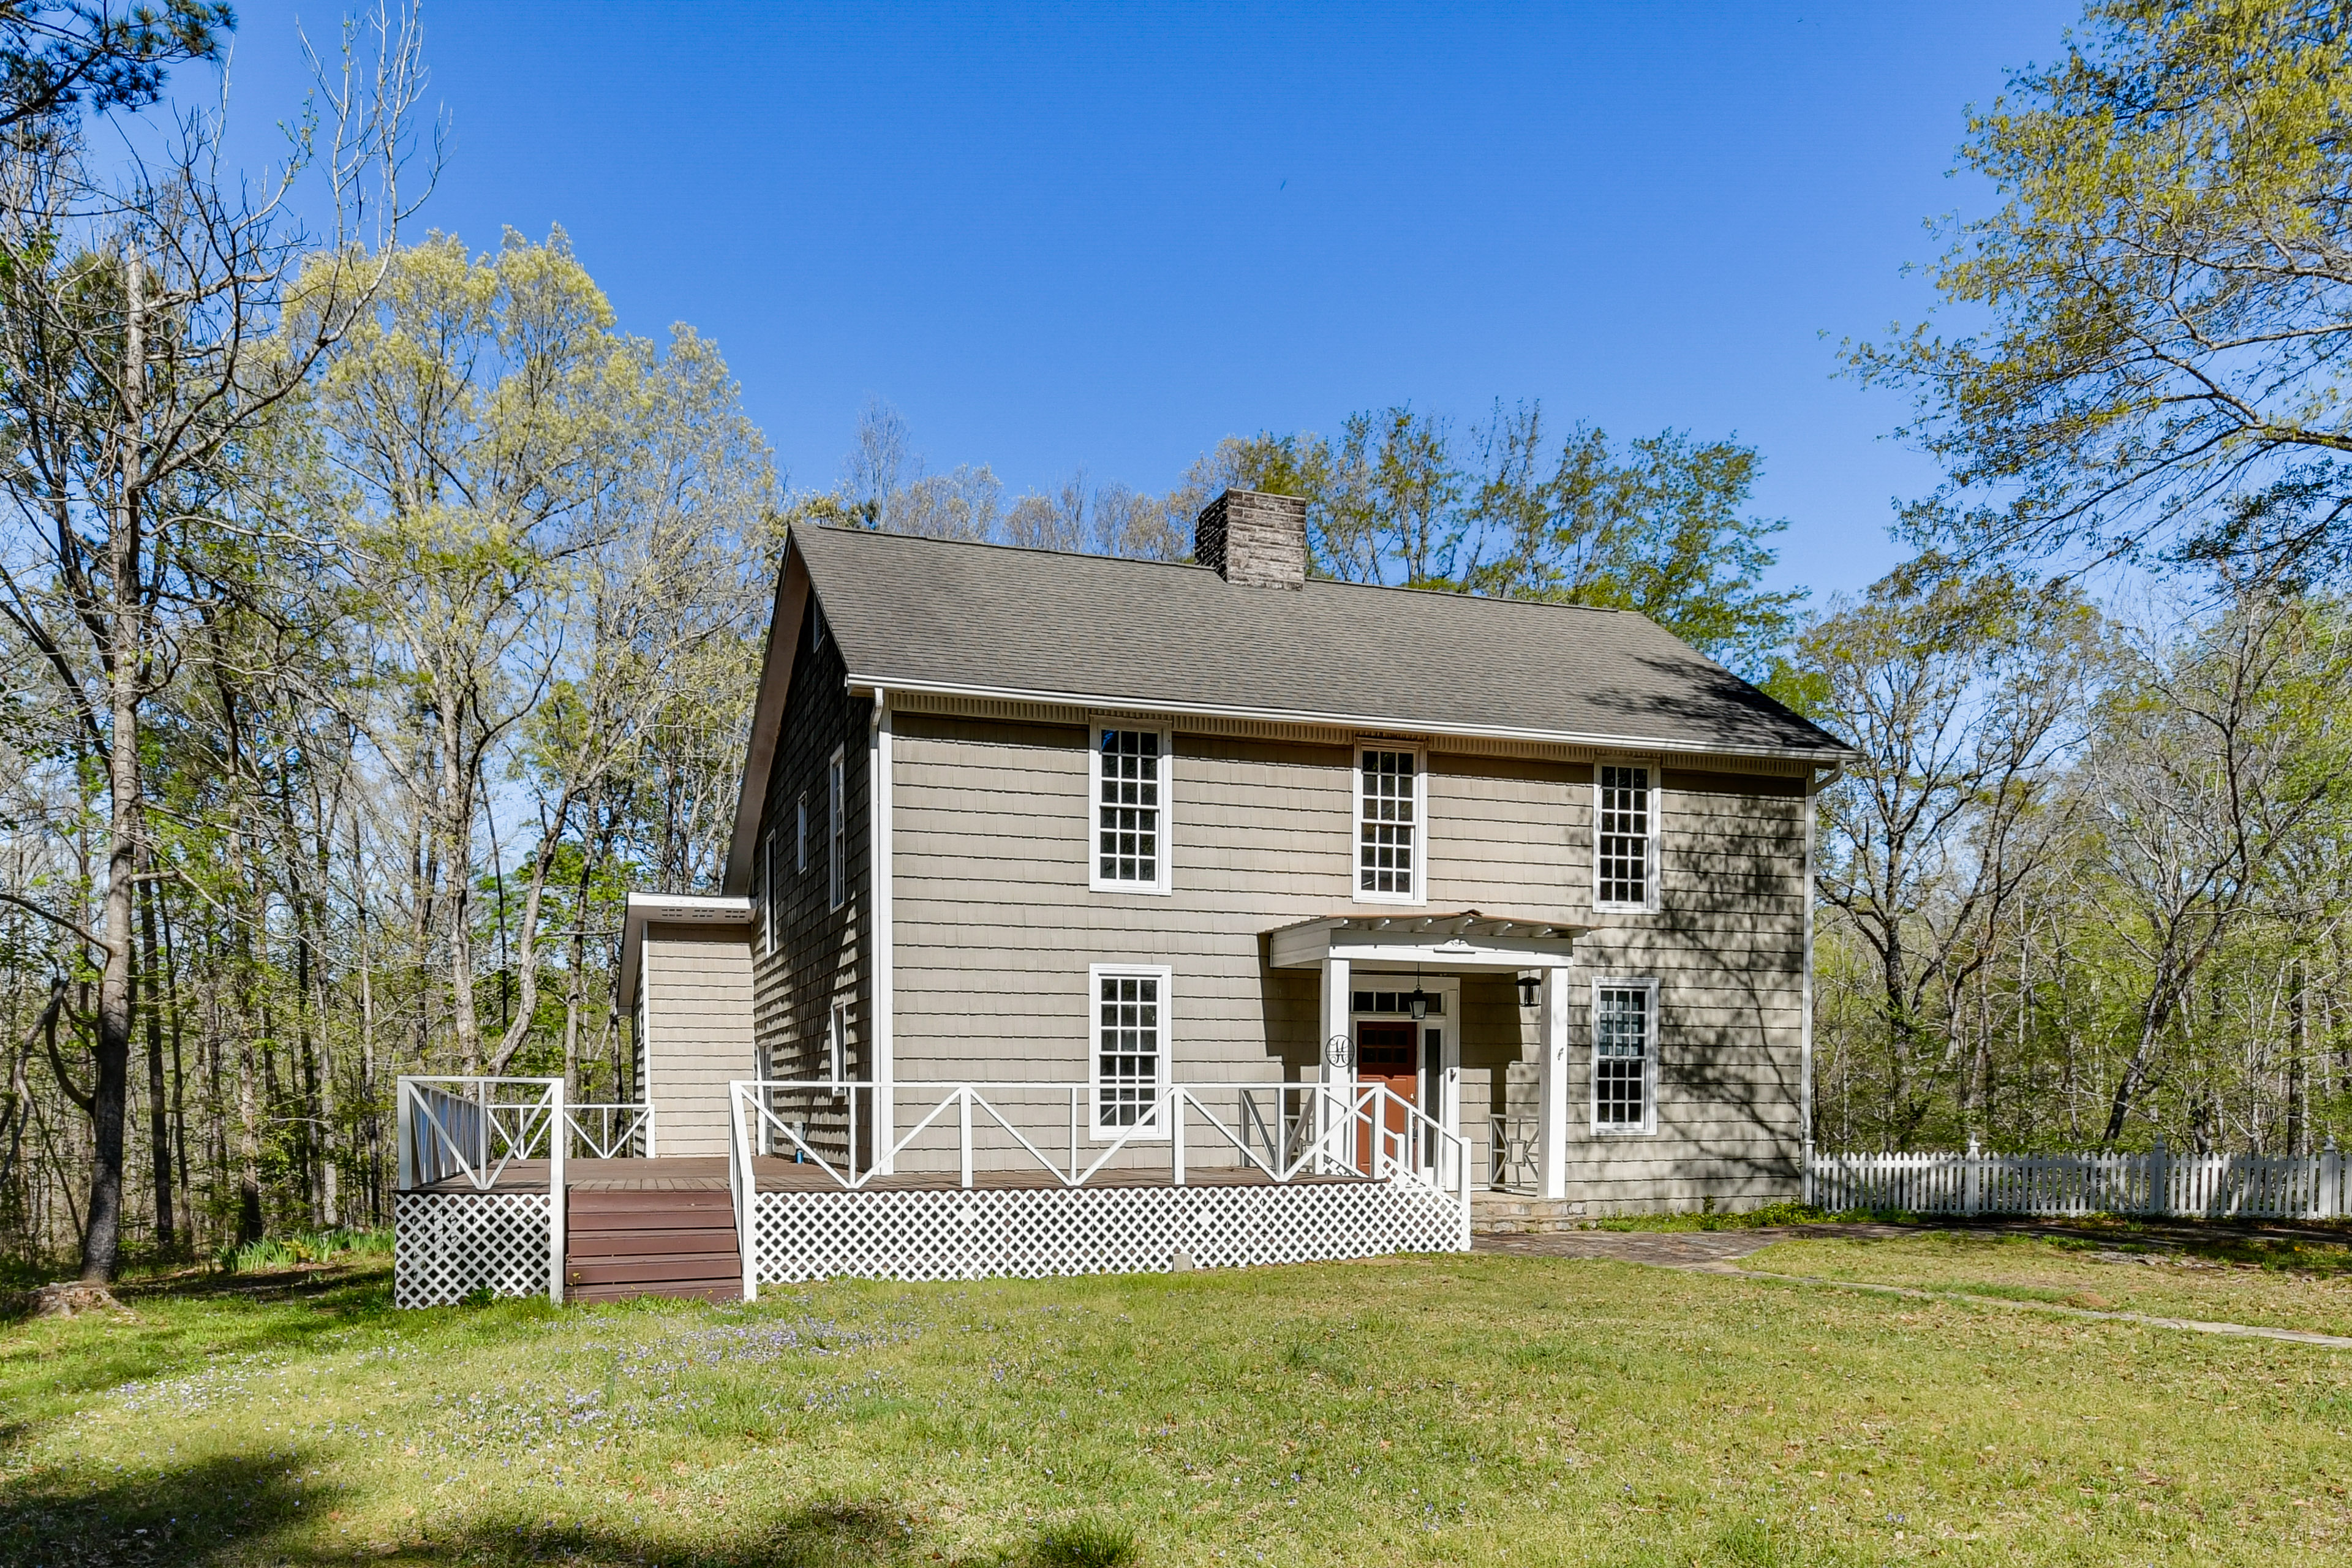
(2159, 1183)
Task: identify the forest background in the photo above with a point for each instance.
(375, 612)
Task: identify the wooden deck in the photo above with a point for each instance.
(708, 1174)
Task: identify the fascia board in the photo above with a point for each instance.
(768, 714)
(1820, 756)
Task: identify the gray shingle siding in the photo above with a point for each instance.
(995, 926)
(822, 955)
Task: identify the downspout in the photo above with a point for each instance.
(882, 1026)
(1813, 787)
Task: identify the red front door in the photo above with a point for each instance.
(1385, 1055)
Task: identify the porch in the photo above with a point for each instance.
(1389, 991)
(494, 1199)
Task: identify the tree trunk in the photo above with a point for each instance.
(159, 1110)
(102, 1238)
(457, 812)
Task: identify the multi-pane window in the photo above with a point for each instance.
(1130, 1046)
(1130, 850)
(1625, 837)
(1388, 825)
(837, 830)
(1624, 1019)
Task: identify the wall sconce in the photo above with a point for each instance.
(1528, 985)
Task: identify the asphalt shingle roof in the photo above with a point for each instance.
(948, 613)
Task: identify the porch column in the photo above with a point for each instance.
(1338, 1078)
(1551, 1086)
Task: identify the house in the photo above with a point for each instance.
(1085, 914)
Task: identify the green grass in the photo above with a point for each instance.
(1489, 1409)
(2277, 1282)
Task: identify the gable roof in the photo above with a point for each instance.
(991, 620)
(942, 615)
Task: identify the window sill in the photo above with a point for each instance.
(1599, 908)
(1407, 899)
(1651, 1131)
(1148, 889)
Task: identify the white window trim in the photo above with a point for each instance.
(1096, 880)
(1095, 974)
(1649, 1125)
(1419, 893)
(836, 828)
(1649, 904)
(836, 1046)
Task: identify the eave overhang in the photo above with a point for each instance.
(668, 909)
(767, 715)
(1390, 723)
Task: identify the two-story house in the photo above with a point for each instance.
(1086, 828)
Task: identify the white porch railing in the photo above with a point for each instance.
(2156, 1183)
(612, 1132)
(1362, 1128)
(1285, 1133)
(472, 1129)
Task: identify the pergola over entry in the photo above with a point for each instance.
(1461, 941)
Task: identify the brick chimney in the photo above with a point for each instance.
(1254, 539)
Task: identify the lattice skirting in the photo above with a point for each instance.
(1031, 1233)
(446, 1245)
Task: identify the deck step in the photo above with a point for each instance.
(680, 1242)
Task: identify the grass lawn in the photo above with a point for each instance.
(2277, 1282)
(1489, 1409)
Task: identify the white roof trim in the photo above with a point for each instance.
(1823, 756)
(1463, 940)
(668, 909)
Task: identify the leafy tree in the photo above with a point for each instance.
(2166, 293)
(1962, 694)
(1659, 525)
(140, 363)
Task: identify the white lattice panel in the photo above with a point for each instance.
(1031, 1233)
(446, 1245)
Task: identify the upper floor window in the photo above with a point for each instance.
(1129, 777)
(837, 830)
(800, 848)
(1625, 837)
(1390, 812)
(1624, 1056)
(770, 895)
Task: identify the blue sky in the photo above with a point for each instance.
(1108, 236)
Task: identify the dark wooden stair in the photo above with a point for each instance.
(620, 1243)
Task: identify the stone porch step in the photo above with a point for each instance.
(1509, 1213)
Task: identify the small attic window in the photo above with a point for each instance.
(817, 627)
